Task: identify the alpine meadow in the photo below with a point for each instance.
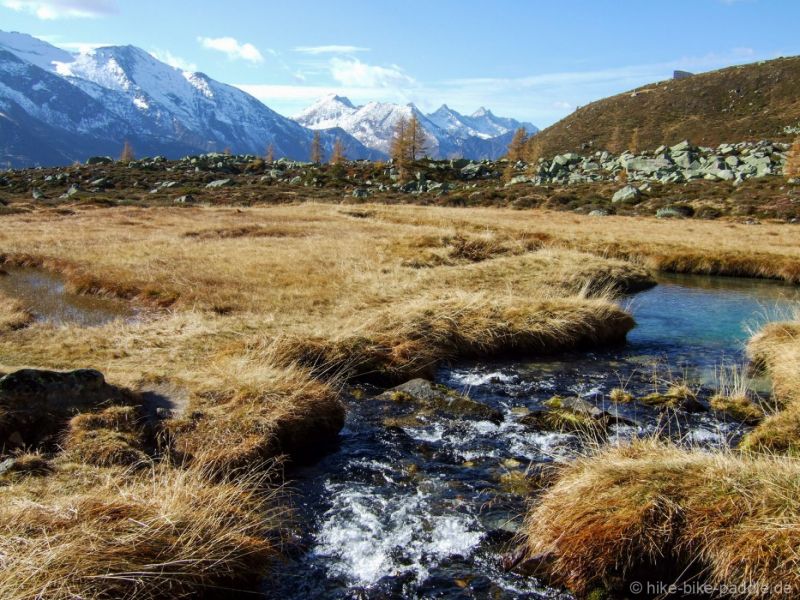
(297, 302)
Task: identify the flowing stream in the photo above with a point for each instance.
(427, 510)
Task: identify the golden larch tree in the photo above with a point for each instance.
(270, 154)
(127, 152)
(398, 150)
(416, 145)
(338, 154)
(518, 145)
(316, 149)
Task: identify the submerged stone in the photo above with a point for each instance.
(442, 400)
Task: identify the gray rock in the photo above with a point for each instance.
(648, 166)
(444, 401)
(37, 403)
(517, 180)
(99, 160)
(187, 199)
(360, 193)
(220, 183)
(626, 194)
(681, 147)
(296, 180)
(37, 194)
(73, 189)
(599, 212)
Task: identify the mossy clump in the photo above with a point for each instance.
(739, 407)
(677, 397)
(620, 396)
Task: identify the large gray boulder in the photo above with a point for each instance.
(626, 194)
(36, 404)
(647, 166)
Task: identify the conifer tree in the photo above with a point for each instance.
(270, 155)
(316, 149)
(516, 149)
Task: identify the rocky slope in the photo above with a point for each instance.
(743, 103)
(56, 107)
(448, 133)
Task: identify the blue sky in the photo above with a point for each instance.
(531, 60)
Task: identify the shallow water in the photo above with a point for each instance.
(421, 511)
(44, 294)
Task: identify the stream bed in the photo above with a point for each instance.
(427, 510)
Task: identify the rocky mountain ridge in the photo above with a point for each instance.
(56, 107)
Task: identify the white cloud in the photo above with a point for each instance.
(169, 58)
(64, 9)
(541, 99)
(331, 49)
(353, 72)
(232, 48)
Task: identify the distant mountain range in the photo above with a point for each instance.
(57, 107)
(448, 133)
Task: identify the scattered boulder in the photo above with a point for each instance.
(36, 404)
(626, 194)
(572, 415)
(220, 183)
(99, 160)
(185, 199)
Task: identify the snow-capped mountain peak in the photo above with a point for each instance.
(326, 112)
(447, 132)
(103, 96)
(33, 50)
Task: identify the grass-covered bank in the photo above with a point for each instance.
(655, 512)
(776, 349)
(163, 481)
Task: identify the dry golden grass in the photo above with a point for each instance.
(112, 436)
(776, 348)
(702, 247)
(269, 309)
(409, 340)
(251, 410)
(83, 532)
(652, 510)
(12, 314)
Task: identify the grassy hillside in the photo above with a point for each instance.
(749, 102)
